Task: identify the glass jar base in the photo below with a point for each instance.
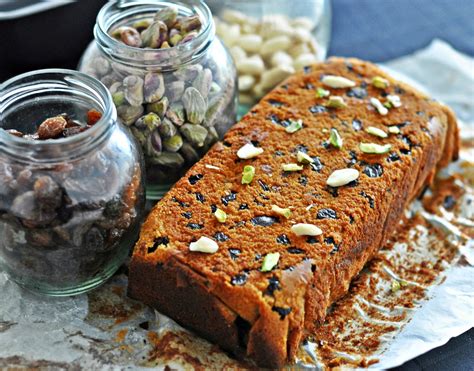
(47, 290)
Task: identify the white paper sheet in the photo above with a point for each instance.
(83, 332)
(449, 77)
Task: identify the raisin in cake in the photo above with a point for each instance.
(263, 234)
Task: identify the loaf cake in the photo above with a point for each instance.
(252, 246)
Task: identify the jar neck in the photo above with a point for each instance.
(122, 12)
(41, 94)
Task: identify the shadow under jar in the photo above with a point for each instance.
(174, 86)
(70, 207)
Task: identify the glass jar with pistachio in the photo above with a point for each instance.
(71, 184)
(172, 81)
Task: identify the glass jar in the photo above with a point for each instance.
(189, 89)
(70, 208)
(271, 39)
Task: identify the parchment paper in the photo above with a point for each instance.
(449, 77)
(105, 329)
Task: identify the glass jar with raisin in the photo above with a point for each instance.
(71, 183)
(172, 81)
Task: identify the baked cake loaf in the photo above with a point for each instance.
(291, 240)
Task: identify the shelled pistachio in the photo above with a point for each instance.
(166, 29)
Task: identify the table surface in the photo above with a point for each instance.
(380, 30)
(376, 30)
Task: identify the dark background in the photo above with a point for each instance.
(376, 30)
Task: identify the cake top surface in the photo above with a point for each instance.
(345, 123)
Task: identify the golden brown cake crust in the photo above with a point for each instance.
(224, 296)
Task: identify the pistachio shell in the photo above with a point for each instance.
(154, 35)
(176, 114)
(195, 134)
(118, 98)
(160, 107)
(115, 87)
(168, 159)
(116, 33)
(175, 90)
(189, 153)
(139, 136)
(107, 80)
(187, 24)
(130, 36)
(175, 39)
(211, 138)
(215, 108)
(173, 32)
(101, 66)
(149, 122)
(154, 87)
(153, 145)
(188, 73)
(167, 129)
(173, 144)
(167, 15)
(129, 114)
(133, 89)
(194, 105)
(188, 37)
(203, 82)
(141, 25)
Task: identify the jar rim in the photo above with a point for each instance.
(146, 57)
(75, 145)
